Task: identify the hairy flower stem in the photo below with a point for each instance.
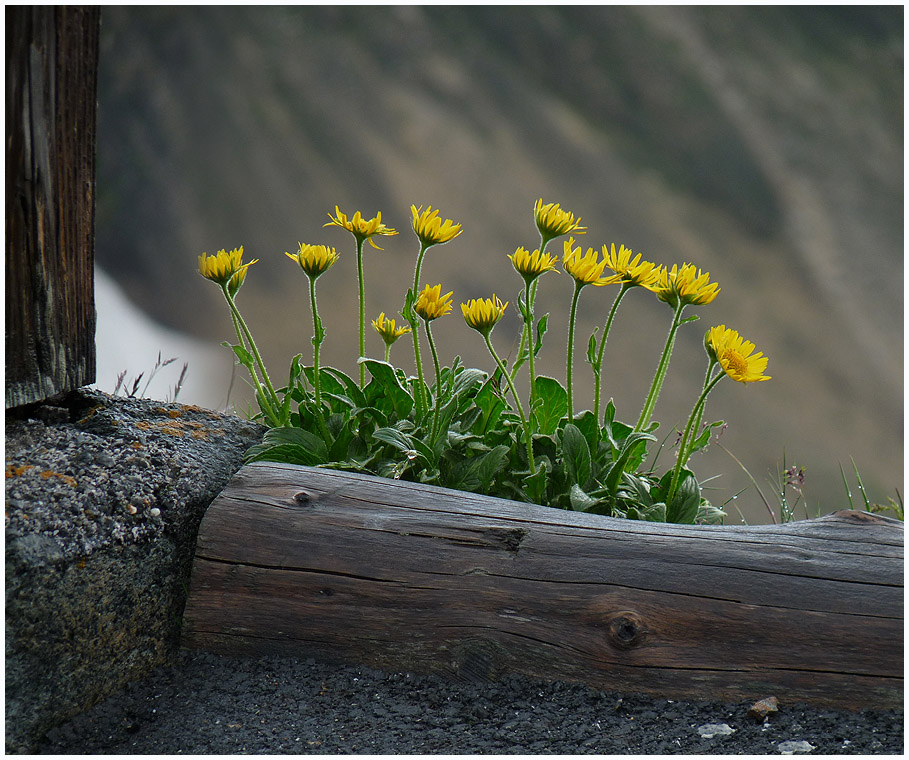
(661, 370)
(362, 287)
(529, 293)
(598, 369)
(271, 400)
(420, 396)
(318, 337)
(696, 414)
(435, 364)
(527, 332)
(569, 363)
(517, 402)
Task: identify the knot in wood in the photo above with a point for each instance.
(626, 630)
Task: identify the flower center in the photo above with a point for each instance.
(736, 362)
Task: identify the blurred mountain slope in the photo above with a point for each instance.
(762, 144)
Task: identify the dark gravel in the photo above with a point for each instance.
(208, 704)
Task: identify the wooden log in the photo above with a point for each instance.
(51, 106)
(404, 576)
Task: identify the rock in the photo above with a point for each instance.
(709, 730)
(763, 708)
(94, 594)
(793, 747)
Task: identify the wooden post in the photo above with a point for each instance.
(404, 576)
(51, 105)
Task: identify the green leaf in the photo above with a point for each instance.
(552, 401)
(351, 387)
(291, 445)
(575, 454)
(683, 509)
(387, 381)
(246, 358)
(630, 447)
(542, 324)
(411, 446)
(592, 352)
(580, 501)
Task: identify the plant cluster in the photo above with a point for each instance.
(469, 429)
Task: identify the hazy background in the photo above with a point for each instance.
(762, 144)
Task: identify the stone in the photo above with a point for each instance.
(94, 594)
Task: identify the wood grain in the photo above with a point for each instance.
(403, 576)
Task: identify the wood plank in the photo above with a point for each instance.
(51, 106)
(411, 577)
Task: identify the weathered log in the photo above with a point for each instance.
(404, 576)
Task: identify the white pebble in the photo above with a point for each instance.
(791, 747)
(709, 730)
(155, 511)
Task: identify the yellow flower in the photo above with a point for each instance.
(223, 266)
(735, 355)
(585, 269)
(314, 259)
(431, 305)
(687, 285)
(362, 229)
(532, 265)
(429, 227)
(552, 221)
(387, 330)
(632, 271)
(482, 313)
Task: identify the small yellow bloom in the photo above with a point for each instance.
(362, 229)
(387, 330)
(314, 259)
(687, 285)
(552, 221)
(632, 271)
(735, 355)
(223, 266)
(431, 305)
(429, 227)
(532, 265)
(585, 269)
(482, 313)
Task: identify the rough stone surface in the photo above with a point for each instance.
(104, 497)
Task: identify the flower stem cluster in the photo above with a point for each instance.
(549, 453)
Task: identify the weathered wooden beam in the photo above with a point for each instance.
(51, 106)
(404, 576)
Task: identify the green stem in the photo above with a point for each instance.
(661, 370)
(527, 331)
(271, 413)
(387, 353)
(318, 335)
(529, 293)
(362, 287)
(597, 371)
(696, 413)
(569, 363)
(414, 329)
(514, 393)
(435, 365)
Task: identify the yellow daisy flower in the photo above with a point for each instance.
(314, 259)
(223, 266)
(585, 269)
(552, 221)
(362, 229)
(482, 314)
(431, 305)
(532, 265)
(387, 330)
(736, 355)
(429, 227)
(687, 285)
(632, 271)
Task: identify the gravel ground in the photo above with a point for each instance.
(208, 704)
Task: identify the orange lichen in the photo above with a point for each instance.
(12, 471)
(68, 479)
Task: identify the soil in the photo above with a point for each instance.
(210, 704)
